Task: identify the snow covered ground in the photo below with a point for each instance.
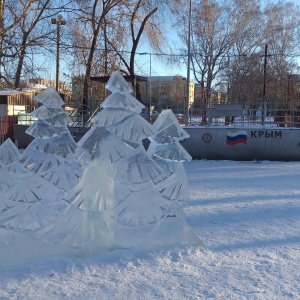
(246, 213)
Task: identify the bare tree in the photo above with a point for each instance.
(282, 37)
(25, 35)
(243, 65)
(135, 21)
(88, 29)
(212, 37)
(277, 26)
(34, 15)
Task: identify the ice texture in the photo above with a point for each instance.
(65, 176)
(32, 188)
(8, 152)
(172, 151)
(94, 145)
(60, 145)
(54, 116)
(8, 237)
(53, 144)
(34, 216)
(168, 153)
(168, 128)
(118, 84)
(50, 98)
(79, 229)
(41, 129)
(133, 128)
(39, 162)
(122, 100)
(7, 180)
(135, 169)
(111, 116)
(51, 153)
(144, 205)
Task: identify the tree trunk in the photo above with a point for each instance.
(20, 62)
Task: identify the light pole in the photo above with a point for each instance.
(188, 68)
(264, 86)
(58, 22)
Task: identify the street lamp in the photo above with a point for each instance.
(58, 22)
(188, 67)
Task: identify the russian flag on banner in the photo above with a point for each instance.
(235, 137)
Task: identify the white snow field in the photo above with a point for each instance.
(246, 213)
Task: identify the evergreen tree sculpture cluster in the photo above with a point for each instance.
(103, 193)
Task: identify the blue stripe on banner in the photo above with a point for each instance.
(237, 137)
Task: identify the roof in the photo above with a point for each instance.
(128, 78)
(8, 92)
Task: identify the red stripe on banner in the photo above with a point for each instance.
(232, 143)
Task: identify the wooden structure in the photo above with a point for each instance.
(15, 106)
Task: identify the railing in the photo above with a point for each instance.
(237, 114)
(244, 115)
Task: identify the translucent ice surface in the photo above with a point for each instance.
(65, 176)
(79, 229)
(61, 145)
(49, 97)
(39, 162)
(172, 151)
(42, 130)
(111, 116)
(94, 145)
(168, 128)
(32, 188)
(117, 83)
(32, 217)
(137, 168)
(120, 100)
(53, 116)
(144, 205)
(133, 128)
(8, 152)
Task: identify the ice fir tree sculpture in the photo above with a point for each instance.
(51, 152)
(116, 203)
(17, 183)
(10, 176)
(117, 184)
(168, 153)
(22, 192)
(9, 156)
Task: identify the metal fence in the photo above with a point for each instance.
(237, 114)
(242, 115)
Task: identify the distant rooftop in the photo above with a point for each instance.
(7, 92)
(167, 78)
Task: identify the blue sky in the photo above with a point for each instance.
(147, 60)
(159, 69)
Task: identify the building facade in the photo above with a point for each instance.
(169, 92)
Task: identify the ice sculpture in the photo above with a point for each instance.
(125, 197)
(119, 187)
(168, 153)
(9, 153)
(51, 153)
(21, 190)
(29, 201)
(9, 166)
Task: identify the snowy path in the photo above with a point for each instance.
(246, 213)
